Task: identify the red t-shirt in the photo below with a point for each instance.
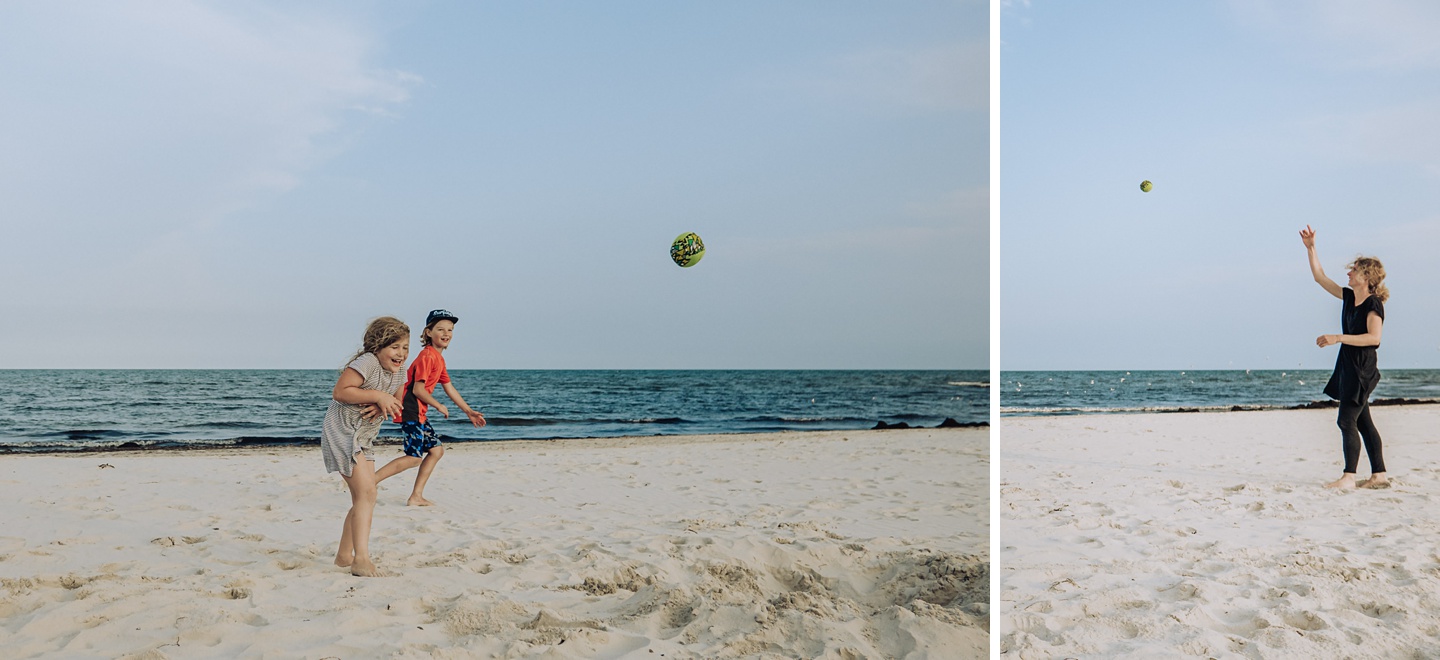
(428, 366)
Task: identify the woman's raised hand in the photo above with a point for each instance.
(1307, 236)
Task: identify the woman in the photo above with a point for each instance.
(1356, 371)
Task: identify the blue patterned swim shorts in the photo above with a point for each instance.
(419, 438)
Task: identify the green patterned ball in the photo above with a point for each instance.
(687, 250)
(1145, 186)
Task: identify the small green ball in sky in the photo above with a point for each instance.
(687, 250)
(1145, 186)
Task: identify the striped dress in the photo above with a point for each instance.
(345, 431)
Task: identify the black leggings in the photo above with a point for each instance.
(1355, 424)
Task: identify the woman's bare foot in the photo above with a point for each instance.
(416, 500)
(1376, 481)
(1345, 482)
(344, 562)
(367, 568)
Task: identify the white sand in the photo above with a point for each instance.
(838, 545)
(1211, 535)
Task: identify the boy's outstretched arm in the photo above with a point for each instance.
(418, 389)
(475, 417)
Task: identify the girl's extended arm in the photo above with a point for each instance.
(1373, 326)
(348, 390)
(1307, 236)
(475, 417)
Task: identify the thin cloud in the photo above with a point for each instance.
(1407, 134)
(846, 243)
(179, 112)
(1377, 34)
(951, 77)
(943, 78)
(961, 204)
(131, 130)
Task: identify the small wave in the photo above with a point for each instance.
(767, 419)
(228, 425)
(966, 383)
(531, 421)
(520, 421)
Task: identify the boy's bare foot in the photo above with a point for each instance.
(368, 568)
(418, 501)
(1345, 482)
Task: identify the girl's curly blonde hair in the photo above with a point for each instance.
(381, 332)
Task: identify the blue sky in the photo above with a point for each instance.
(245, 185)
(1252, 119)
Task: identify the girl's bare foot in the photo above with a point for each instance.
(1375, 482)
(344, 563)
(1345, 482)
(418, 501)
(367, 568)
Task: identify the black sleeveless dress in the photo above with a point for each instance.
(1357, 370)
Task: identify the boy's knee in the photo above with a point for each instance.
(437, 452)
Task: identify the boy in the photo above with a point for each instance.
(422, 444)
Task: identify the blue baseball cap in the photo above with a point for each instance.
(440, 315)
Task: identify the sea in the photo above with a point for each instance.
(1099, 392)
(87, 410)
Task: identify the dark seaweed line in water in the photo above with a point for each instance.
(243, 442)
(158, 445)
(1313, 405)
(1373, 402)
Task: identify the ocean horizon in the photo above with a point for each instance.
(61, 410)
(1193, 390)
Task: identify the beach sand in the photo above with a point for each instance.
(857, 544)
(1211, 535)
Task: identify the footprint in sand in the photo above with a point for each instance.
(1304, 620)
(1380, 610)
(1034, 625)
(73, 582)
(1043, 607)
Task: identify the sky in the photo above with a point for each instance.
(1252, 119)
(246, 185)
